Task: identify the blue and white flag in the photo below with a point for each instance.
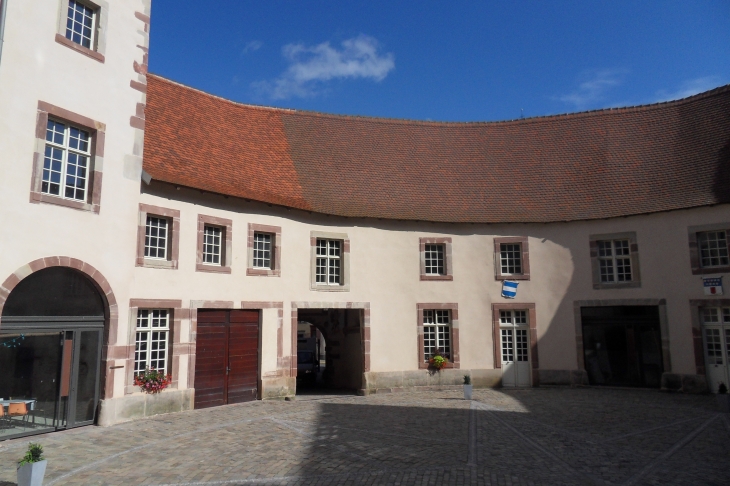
(509, 289)
(713, 285)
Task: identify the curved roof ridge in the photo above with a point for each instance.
(376, 119)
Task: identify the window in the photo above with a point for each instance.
(330, 253)
(435, 255)
(510, 257)
(615, 260)
(156, 237)
(151, 340)
(66, 161)
(512, 260)
(436, 333)
(438, 330)
(215, 237)
(329, 262)
(80, 24)
(264, 252)
(713, 249)
(82, 27)
(212, 245)
(261, 250)
(435, 259)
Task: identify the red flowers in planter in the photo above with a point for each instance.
(152, 381)
(437, 362)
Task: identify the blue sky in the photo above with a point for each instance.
(452, 61)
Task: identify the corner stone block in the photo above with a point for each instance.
(671, 382)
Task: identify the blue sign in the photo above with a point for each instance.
(509, 289)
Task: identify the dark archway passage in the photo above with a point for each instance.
(50, 352)
(343, 350)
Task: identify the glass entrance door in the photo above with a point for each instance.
(49, 379)
(515, 346)
(716, 324)
(84, 386)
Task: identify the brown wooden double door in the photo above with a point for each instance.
(226, 361)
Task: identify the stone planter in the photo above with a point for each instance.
(467, 392)
(32, 474)
(723, 402)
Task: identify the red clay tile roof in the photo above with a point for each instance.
(580, 166)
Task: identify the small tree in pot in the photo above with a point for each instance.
(467, 387)
(32, 467)
(723, 399)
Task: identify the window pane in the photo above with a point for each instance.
(212, 236)
(79, 23)
(434, 256)
(156, 238)
(511, 258)
(262, 250)
(713, 249)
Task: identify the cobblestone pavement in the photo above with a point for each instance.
(531, 436)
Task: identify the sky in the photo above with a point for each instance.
(446, 61)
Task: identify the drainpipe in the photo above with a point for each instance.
(3, 9)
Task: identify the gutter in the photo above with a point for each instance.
(3, 10)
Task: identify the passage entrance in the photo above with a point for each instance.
(622, 345)
(50, 353)
(227, 358)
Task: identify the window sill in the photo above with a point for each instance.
(151, 263)
(263, 272)
(201, 267)
(619, 285)
(79, 48)
(38, 197)
(710, 270)
(513, 277)
(330, 288)
(448, 366)
(447, 278)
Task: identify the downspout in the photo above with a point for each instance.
(3, 9)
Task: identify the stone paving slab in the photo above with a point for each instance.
(502, 437)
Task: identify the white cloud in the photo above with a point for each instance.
(688, 88)
(252, 46)
(593, 88)
(311, 67)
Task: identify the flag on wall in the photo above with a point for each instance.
(509, 289)
(713, 285)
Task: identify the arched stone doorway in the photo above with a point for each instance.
(51, 337)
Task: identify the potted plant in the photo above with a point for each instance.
(467, 387)
(723, 399)
(32, 467)
(152, 381)
(437, 362)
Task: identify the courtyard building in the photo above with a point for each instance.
(147, 224)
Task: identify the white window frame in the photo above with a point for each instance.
(506, 255)
(435, 259)
(437, 325)
(94, 24)
(147, 238)
(213, 241)
(721, 248)
(66, 151)
(260, 254)
(329, 261)
(145, 333)
(608, 258)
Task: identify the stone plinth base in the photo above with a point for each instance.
(277, 388)
(563, 377)
(139, 405)
(395, 381)
(684, 383)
